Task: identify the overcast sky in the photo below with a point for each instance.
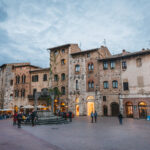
(29, 27)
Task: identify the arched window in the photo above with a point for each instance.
(115, 84)
(17, 79)
(23, 79)
(90, 66)
(77, 68)
(63, 61)
(106, 85)
(23, 93)
(91, 84)
(55, 77)
(16, 93)
(63, 77)
(63, 91)
(45, 77)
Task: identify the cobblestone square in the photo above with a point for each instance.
(81, 134)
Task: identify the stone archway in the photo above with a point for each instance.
(129, 109)
(142, 110)
(114, 109)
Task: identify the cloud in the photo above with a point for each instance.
(28, 28)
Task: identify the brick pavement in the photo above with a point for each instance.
(107, 134)
(12, 138)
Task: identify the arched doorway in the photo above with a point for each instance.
(129, 109)
(90, 105)
(142, 110)
(114, 109)
(90, 108)
(77, 110)
(105, 110)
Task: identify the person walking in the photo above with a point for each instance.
(15, 118)
(95, 116)
(70, 116)
(19, 118)
(33, 115)
(92, 116)
(120, 117)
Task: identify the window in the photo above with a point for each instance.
(11, 82)
(138, 62)
(88, 54)
(55, 77)
(63, 61)
(63, 50)
(112, 64)
(77, 85)
(17, 79)
(91, 85)
(104, 98)
(63, 77)
(35, 78)
(45, 77)
(124, 65)
(90, 67)
(125, 86)
(16, 93)
(105, 65)
(106, 86)
(23, 93)
(63, 91)
(115, 84)
(23, 79)
(77, 68)
(55, 53)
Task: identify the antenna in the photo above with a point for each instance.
(104, 42)
(80, 45)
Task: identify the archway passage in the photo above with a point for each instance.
(114, 109)
(142, 110)
(77, 110)
(129, 109)
(105, 110)
(90, 108)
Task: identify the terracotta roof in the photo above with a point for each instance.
(85, 51)
(61, 46)
(27, 65)
(15, 64)
(127, 55)
(39, 70)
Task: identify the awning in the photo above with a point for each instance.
(28, 106)
(40, 106)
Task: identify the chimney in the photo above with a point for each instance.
(123, 52)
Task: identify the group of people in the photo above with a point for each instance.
(65, 115)
(5, 116)
(20, 117)
(94, 117)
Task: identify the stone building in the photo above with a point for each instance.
(131, 94)
(84, 89)
(22, 84)
(59, 76)
(7, 84)
(39, 82)
(110, 85)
